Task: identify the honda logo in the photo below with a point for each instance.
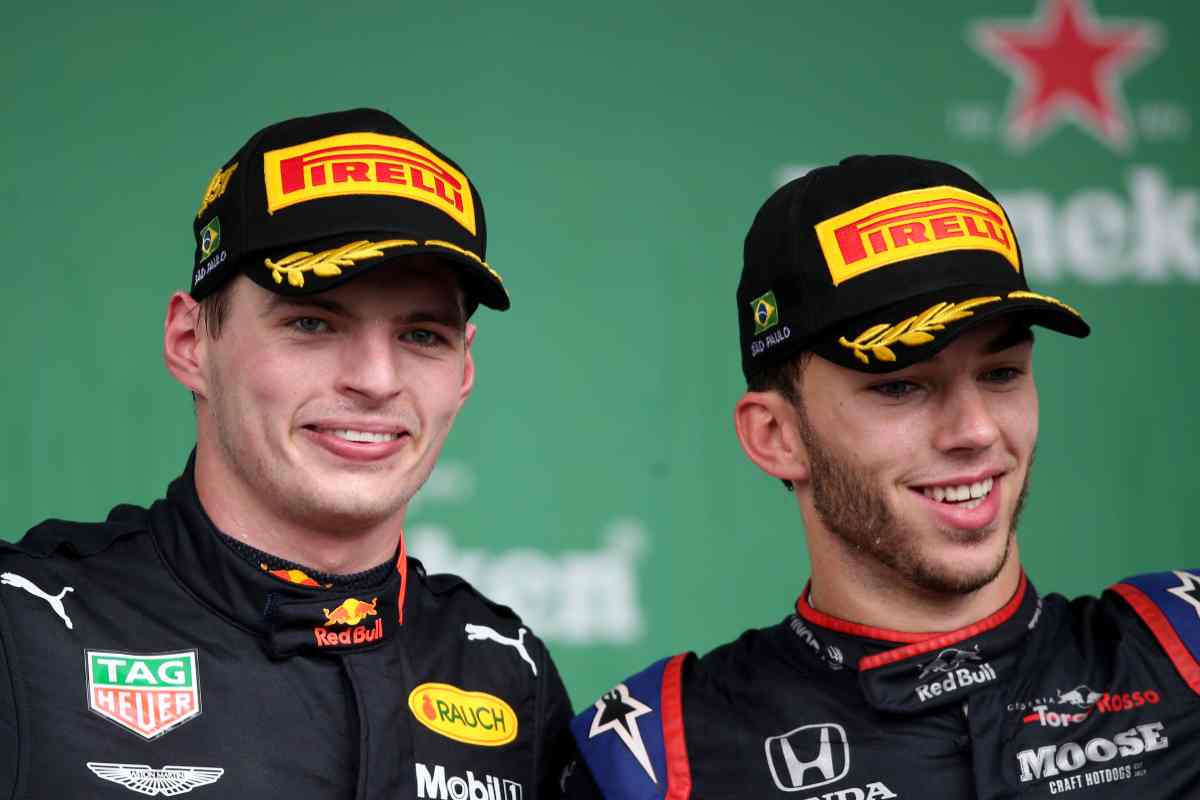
(808, 757)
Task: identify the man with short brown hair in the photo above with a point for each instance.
(885, 329)
(261, 628)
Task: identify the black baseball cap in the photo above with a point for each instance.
(309, 203)
(879, 262)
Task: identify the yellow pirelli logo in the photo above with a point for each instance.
(915, 223)
(366, 163)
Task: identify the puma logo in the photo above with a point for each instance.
(55, 600)
(479, 633)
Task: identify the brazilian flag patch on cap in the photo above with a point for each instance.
(210, 238)
(766, 312)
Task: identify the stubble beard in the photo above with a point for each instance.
(854, 510)
(289, 493)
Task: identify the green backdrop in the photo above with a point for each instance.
(594, 480)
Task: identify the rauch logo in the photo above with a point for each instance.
(469, 717)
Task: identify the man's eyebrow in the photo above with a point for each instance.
(278, 301)
(442, 313)
(1018, 334)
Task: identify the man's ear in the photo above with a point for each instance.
(768, 429)
(468, 367)
(182, 343)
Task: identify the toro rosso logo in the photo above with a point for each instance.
(1080, 697)
(1082, 702)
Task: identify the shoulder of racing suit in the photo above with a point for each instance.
(458, 603)
(632, 738)
(44, 559)
(1168, 603)
(81, 539)
(449, 586)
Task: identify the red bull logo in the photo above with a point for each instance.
(351, 612)
(915, 223)
(366, 163)
(956, 676)
(470, 717)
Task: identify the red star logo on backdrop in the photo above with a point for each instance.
(1067, 66)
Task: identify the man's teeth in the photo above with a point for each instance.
(364, 436)
(968, 495)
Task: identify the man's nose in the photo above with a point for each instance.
(370, 367)
(968, 420)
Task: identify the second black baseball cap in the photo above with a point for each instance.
(309, 203)
(879, 262)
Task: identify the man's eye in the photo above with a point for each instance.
(1002, 375)
(423, 337)
(310, 325)
(895, 389)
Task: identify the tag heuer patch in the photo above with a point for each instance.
(766, 312)
(144, 694)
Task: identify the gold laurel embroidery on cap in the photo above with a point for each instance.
(913, 331)
(1045, 298)
(216, 187)
(468, 253)
(328, 263)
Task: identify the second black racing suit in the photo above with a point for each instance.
(1084, 699)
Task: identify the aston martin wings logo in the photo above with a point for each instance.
(169, 781)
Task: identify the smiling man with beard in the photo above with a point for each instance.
(262, 627)
(886, 331)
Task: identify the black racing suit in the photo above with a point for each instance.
(1089, 698)
(142, 656)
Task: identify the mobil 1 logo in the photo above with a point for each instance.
(435, 784)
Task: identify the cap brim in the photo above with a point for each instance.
(916, 329)
(326, 264)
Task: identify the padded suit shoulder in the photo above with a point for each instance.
(79, 538)
(449, 586)
(632, 738)
(1168, 603)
